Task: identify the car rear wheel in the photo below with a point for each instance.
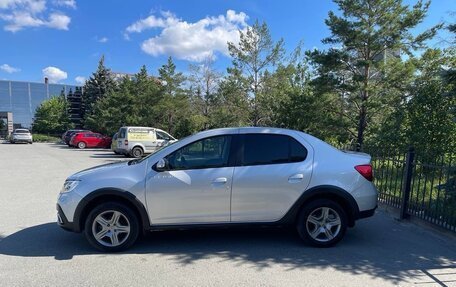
(322, 223)
(137, 152)
(81, 145)
(111, 227)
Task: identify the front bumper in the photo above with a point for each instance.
(66, 206)
(62, 221)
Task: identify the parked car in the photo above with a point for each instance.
(223, 177)
(90, 140)
(66, 137)
(21, 135)
(114, 144)
(137, 141)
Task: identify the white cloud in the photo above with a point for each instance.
(80, 80)
(58, 21)
(190, 41)
(102, 40)
(54, 74)
(7, 68)
(21, 14)
(66, 3)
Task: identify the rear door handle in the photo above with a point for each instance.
(220, 180)
(296, 178)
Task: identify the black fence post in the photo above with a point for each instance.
(407, 182)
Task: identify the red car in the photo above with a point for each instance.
(89, 139)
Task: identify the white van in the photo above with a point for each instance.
(137, 141)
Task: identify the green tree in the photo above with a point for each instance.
(51, 117)
(204, 81)
(148, 93)
(296, 104)
(231, 102)
(255, 53)
(95, 88)
(431, 126)
(115, 109)
(365, 35)
(173, 109)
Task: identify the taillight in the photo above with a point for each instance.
(366, 171)
(126, 142)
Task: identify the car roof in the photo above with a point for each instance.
(135, 127)
(245, 130)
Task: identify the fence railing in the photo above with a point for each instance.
(418, 185)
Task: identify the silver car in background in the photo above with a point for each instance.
(21, 135)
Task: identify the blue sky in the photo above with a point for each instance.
(64, 39)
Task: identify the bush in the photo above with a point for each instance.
(45, 138)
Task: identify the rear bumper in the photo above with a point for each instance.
(366, 213)
(23, 140)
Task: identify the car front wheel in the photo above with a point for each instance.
(322, 223)
(112, 227)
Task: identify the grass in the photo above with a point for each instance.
(45, 138)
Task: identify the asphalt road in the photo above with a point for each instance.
(34, 251)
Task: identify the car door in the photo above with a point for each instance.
(91, 140)
(273, 170)
(196, 188)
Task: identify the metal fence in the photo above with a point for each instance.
(419, 185)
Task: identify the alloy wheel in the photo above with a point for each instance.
(323, 224)
(111, 228)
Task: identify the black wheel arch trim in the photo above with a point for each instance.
(323, 191)
(110, 191)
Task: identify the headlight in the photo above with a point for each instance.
(69, 185)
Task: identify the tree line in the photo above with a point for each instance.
(377, 84)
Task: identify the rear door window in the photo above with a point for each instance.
(265, 149)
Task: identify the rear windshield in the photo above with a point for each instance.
(122, 133)
(21, 132)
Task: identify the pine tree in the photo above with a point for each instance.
(255, 53)
(95, 88)
(365, 35)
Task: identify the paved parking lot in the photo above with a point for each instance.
(379, 251)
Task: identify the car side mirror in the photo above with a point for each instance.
(161, 165)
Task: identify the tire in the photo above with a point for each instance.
(127, 218)
(81, 145)
(322, 223)
(137, 152)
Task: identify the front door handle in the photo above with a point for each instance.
(296, 178)
(220, 180)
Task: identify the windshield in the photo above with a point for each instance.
(160, 149)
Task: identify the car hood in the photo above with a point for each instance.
(97, 170)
